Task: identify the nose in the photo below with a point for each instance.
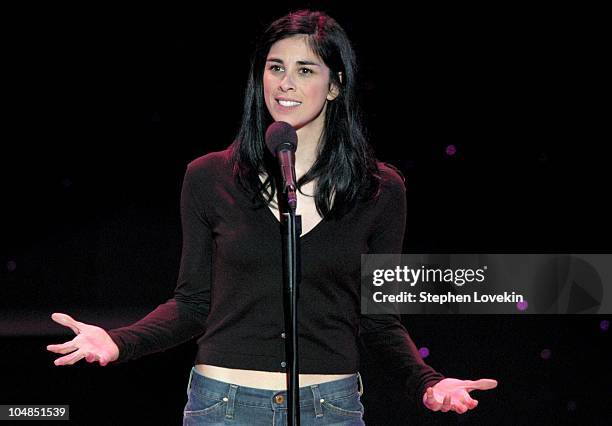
(286, 83)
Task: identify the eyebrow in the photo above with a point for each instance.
(280, 61)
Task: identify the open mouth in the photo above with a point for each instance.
(288, 104)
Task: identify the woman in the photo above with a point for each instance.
(229, 291)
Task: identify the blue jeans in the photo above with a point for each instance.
(212, 402)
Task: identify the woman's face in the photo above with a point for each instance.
(296, 84)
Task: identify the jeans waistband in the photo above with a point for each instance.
(277, 398)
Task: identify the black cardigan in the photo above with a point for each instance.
(229, 290)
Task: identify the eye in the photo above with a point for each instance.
(306, 71)
(274, 68)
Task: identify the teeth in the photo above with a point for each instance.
(289, 103)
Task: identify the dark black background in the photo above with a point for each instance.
(103, 107)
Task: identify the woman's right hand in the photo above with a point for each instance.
(91, 342)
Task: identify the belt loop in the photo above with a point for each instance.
(360, 384)
(189, 382)
(231, 399)
(317, 400)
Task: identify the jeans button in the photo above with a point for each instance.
(279, 399)
(283, 364)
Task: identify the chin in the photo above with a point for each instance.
(288, 120)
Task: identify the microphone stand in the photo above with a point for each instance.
(292, 229)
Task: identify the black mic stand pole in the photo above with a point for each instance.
(291, 234)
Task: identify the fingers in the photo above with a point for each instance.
(63, 348)
(433, 404)
(446, 405)
(430, 401)
(78, 355)
(70, 359)
(74, 357)
(470, 403)
(103, 360)
(458, 405)
(482, 384)
(464, 404)
(66, 320)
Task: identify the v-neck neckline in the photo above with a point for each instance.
(275, 220)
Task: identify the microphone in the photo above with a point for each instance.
(281, 139)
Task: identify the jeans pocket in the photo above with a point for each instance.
(348, 406)
(203, 404)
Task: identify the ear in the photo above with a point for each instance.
(334, 90)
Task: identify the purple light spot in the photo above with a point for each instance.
(424, 352)
(11, 265)
(522, 306)
(546, 353)
(451, 150)
(604, 325)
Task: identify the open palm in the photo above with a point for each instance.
(91, 342)
(454, 394)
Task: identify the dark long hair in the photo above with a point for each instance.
(345, 168)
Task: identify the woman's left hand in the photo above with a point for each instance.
(453, 394)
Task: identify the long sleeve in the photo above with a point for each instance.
(182, 317)
(384, 334)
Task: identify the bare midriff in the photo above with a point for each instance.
(262, 379)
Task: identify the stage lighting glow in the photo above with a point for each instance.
(523, 305)
(424, 352)
(546, 353)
